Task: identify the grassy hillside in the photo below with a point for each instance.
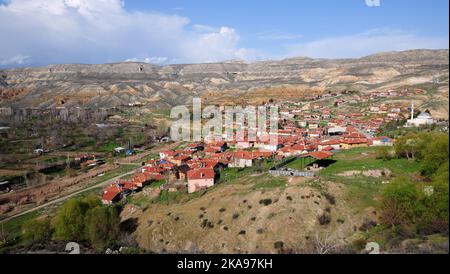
(254, 212)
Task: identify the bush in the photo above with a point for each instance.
(324, 219)
(435, 154)
(101, 226)
(367, 225)
(265, 202)
(278, 245)
(36, 232)
(385, 153)
(399, 203)
(87, 220)
(69, 221)
(436, 211)
(330, 198)
(422, 208)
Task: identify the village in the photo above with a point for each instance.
(312, 132)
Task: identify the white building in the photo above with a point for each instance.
(422, 120)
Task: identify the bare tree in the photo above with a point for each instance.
(325, 244)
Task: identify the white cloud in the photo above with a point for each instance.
(203, 28)
(97, 31)
(358, 45)
(157, 60)
(15, 60)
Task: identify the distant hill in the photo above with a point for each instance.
(110, 85)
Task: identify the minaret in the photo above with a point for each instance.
(412, 111)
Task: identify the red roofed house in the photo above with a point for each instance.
(353, 143)
(141, 179)
(169, 154)
(110, 197)
(200, 179)
(320, 155)
(382, 141)
(335, 144)
(242, 159)
(181, 159)
(113, 194)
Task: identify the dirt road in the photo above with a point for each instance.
(102, 184)
(126, 161)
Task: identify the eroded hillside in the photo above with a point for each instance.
(112, 85)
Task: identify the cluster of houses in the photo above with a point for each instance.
(306, 129)
(198, 165)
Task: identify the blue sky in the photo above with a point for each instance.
(307, 20)
(41, 32)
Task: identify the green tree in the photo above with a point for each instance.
(435, 153)
(36, 231)
(412, 145)
(101, 226)
(399, 203)
(436, 214)
(69, 220)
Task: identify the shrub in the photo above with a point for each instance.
(265, 202)
(324, 219)
(330, 198)
(399, 203)
(385, 153)
(435, 154)
(69, 221)
(210, 224)
(36, 231)
(278, 245)
(101, 226)
(368, 224)
(87, 219)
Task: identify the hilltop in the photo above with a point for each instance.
(110, 85)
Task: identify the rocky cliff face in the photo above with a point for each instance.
(112, 85)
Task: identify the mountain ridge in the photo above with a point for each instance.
(115, 84)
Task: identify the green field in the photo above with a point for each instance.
(362, 190)
(364, 159)
(300, 163)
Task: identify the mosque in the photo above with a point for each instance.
(423, 119)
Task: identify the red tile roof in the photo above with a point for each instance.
(320, 155)
(356, 141)
(109, 196)
(201, 173)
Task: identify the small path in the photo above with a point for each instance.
(102, 184)
(105, 183)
